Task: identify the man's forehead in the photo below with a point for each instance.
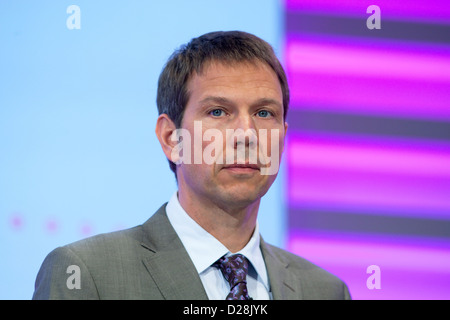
(213, 68)
(223, 76)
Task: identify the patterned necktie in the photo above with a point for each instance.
(234, 269)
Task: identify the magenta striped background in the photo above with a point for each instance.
(368, 179)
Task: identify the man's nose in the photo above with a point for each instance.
(245, 121)
(245, 131)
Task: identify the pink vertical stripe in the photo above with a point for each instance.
(371, 95)
(430, 195)
(434, 10)
(303, 56)
(408, 270)
(376, 157)
(372, 176)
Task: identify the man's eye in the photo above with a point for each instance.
(216, 112)
(264, 113)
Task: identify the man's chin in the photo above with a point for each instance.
(240, 197)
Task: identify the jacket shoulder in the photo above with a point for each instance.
(109, 265)
(72, 271)
(107, 243)
(314, 281)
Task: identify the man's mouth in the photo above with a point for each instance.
(242, 168)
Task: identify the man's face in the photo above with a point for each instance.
(225, 99)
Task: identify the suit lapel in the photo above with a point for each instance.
(280, 278)
(168, 262)
(171, 268)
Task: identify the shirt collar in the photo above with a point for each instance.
(204, 249)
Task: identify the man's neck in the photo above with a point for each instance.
(232, 226)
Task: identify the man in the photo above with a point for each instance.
(222, 100)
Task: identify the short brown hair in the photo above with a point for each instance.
(222, 46)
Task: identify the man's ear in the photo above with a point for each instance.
(164, 130)
(285, 133)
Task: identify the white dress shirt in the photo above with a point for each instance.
(204, 250)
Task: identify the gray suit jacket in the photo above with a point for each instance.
(150, 262)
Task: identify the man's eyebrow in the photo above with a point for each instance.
(268, 101)
(215, 99)
(226, 101)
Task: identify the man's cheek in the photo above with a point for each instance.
(213, 147)
(269, 151)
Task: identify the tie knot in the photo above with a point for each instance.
(234, 268)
